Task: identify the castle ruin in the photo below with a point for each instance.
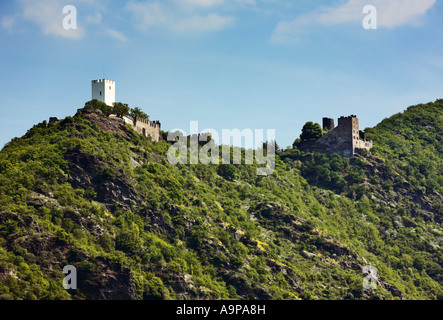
(104, 90)
(145, 127)
(345, 139)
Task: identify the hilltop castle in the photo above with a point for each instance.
(104, 90)
(345, 139)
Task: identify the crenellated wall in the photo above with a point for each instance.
(146, 127)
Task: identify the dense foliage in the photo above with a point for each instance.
(98, 196)
(311, 132)
(118, 108)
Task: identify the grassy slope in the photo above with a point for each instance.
(192, 231)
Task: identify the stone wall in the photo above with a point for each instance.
(343, 139)
(146, 128)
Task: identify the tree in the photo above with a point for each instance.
(121, 109)
(270, 144)
(100, 105)
(296, 143)
(128, 239)
(137, 113)
(90, 194)
(311, 132)
(227, 171)
(418, 263)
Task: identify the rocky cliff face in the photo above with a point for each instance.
(108, 181)
(107, 281)
(102, 280)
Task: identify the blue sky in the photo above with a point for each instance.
(257, 64)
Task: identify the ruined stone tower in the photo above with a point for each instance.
(328, 124)
(344, 139)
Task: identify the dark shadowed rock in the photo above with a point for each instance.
(107, 281)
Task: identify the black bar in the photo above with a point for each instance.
(166, 310)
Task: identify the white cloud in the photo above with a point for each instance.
(8, 22)
(48, 15)
(400, 12)
(197, 24)
(178, 19)
(149, 14)
(201, 3)
(116, 35)
(95, 18)
(247, 2)
(391, 14)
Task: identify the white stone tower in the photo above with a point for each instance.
(104, 90)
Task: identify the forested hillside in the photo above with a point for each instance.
(90, 192)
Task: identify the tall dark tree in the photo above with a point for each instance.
(121, 109)
(137, 113)
(311, 132)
